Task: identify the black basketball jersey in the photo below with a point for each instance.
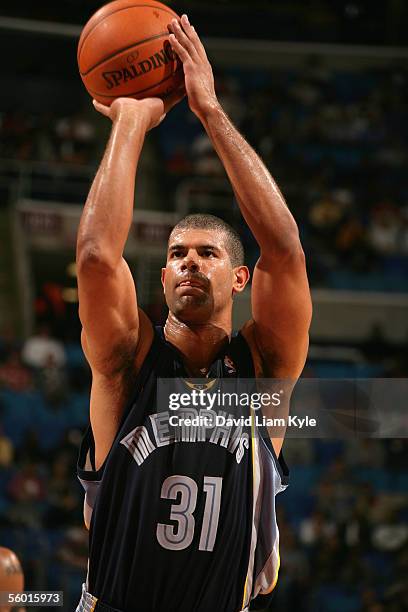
(182, 523)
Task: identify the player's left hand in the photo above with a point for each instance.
(198, 74)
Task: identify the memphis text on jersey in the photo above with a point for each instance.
(158, 432)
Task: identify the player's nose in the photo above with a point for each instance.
(190, 262)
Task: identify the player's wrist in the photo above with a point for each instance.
(133, 120)
(209, 111)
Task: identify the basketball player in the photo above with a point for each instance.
(11, 578)
(182, 523)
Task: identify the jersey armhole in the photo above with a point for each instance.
(86, 461)
(279, 462)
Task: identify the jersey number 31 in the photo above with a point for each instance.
(179, 537)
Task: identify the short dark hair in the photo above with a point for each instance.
(233, 246)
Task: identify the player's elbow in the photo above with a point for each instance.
(286, 249)
(294, 262)
(91, 258)
(290, 245)
(297, 253)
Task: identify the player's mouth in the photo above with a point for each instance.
(191, 282)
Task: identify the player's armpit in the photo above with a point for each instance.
(109, 314)
(282, 313)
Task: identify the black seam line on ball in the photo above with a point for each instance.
(133, 46)
(158, 8)
(133, 93)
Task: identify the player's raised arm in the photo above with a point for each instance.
(107, 297)
(281, 304)
(114, 331)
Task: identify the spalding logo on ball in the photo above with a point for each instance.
(124, 51)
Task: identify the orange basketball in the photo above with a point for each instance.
(124, 50)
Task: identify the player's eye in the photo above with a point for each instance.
(176, 254)
(208, 253)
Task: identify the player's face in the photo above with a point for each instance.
(198, 279)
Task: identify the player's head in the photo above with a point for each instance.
(205, 267)
(11, 575)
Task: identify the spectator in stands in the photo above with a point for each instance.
(351, 244)
(315, 529)
(38, 348)
(385, 228)
(14, 375)
(51, 309)
(342, 497)
(61, 494)
(325, 216)
(391, 534)
(206, 160)
(15, 133)
(53, 381)
(27, 490)
(76, 135)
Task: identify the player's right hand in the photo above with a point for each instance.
(150, 110)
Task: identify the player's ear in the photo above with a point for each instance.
(163, 275)
(241, 277)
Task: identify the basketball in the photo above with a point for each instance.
(124, 50)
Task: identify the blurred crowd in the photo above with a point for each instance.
(335, 140)
(46, 137)
(44, 398)
(343, 524)
(343, 520)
